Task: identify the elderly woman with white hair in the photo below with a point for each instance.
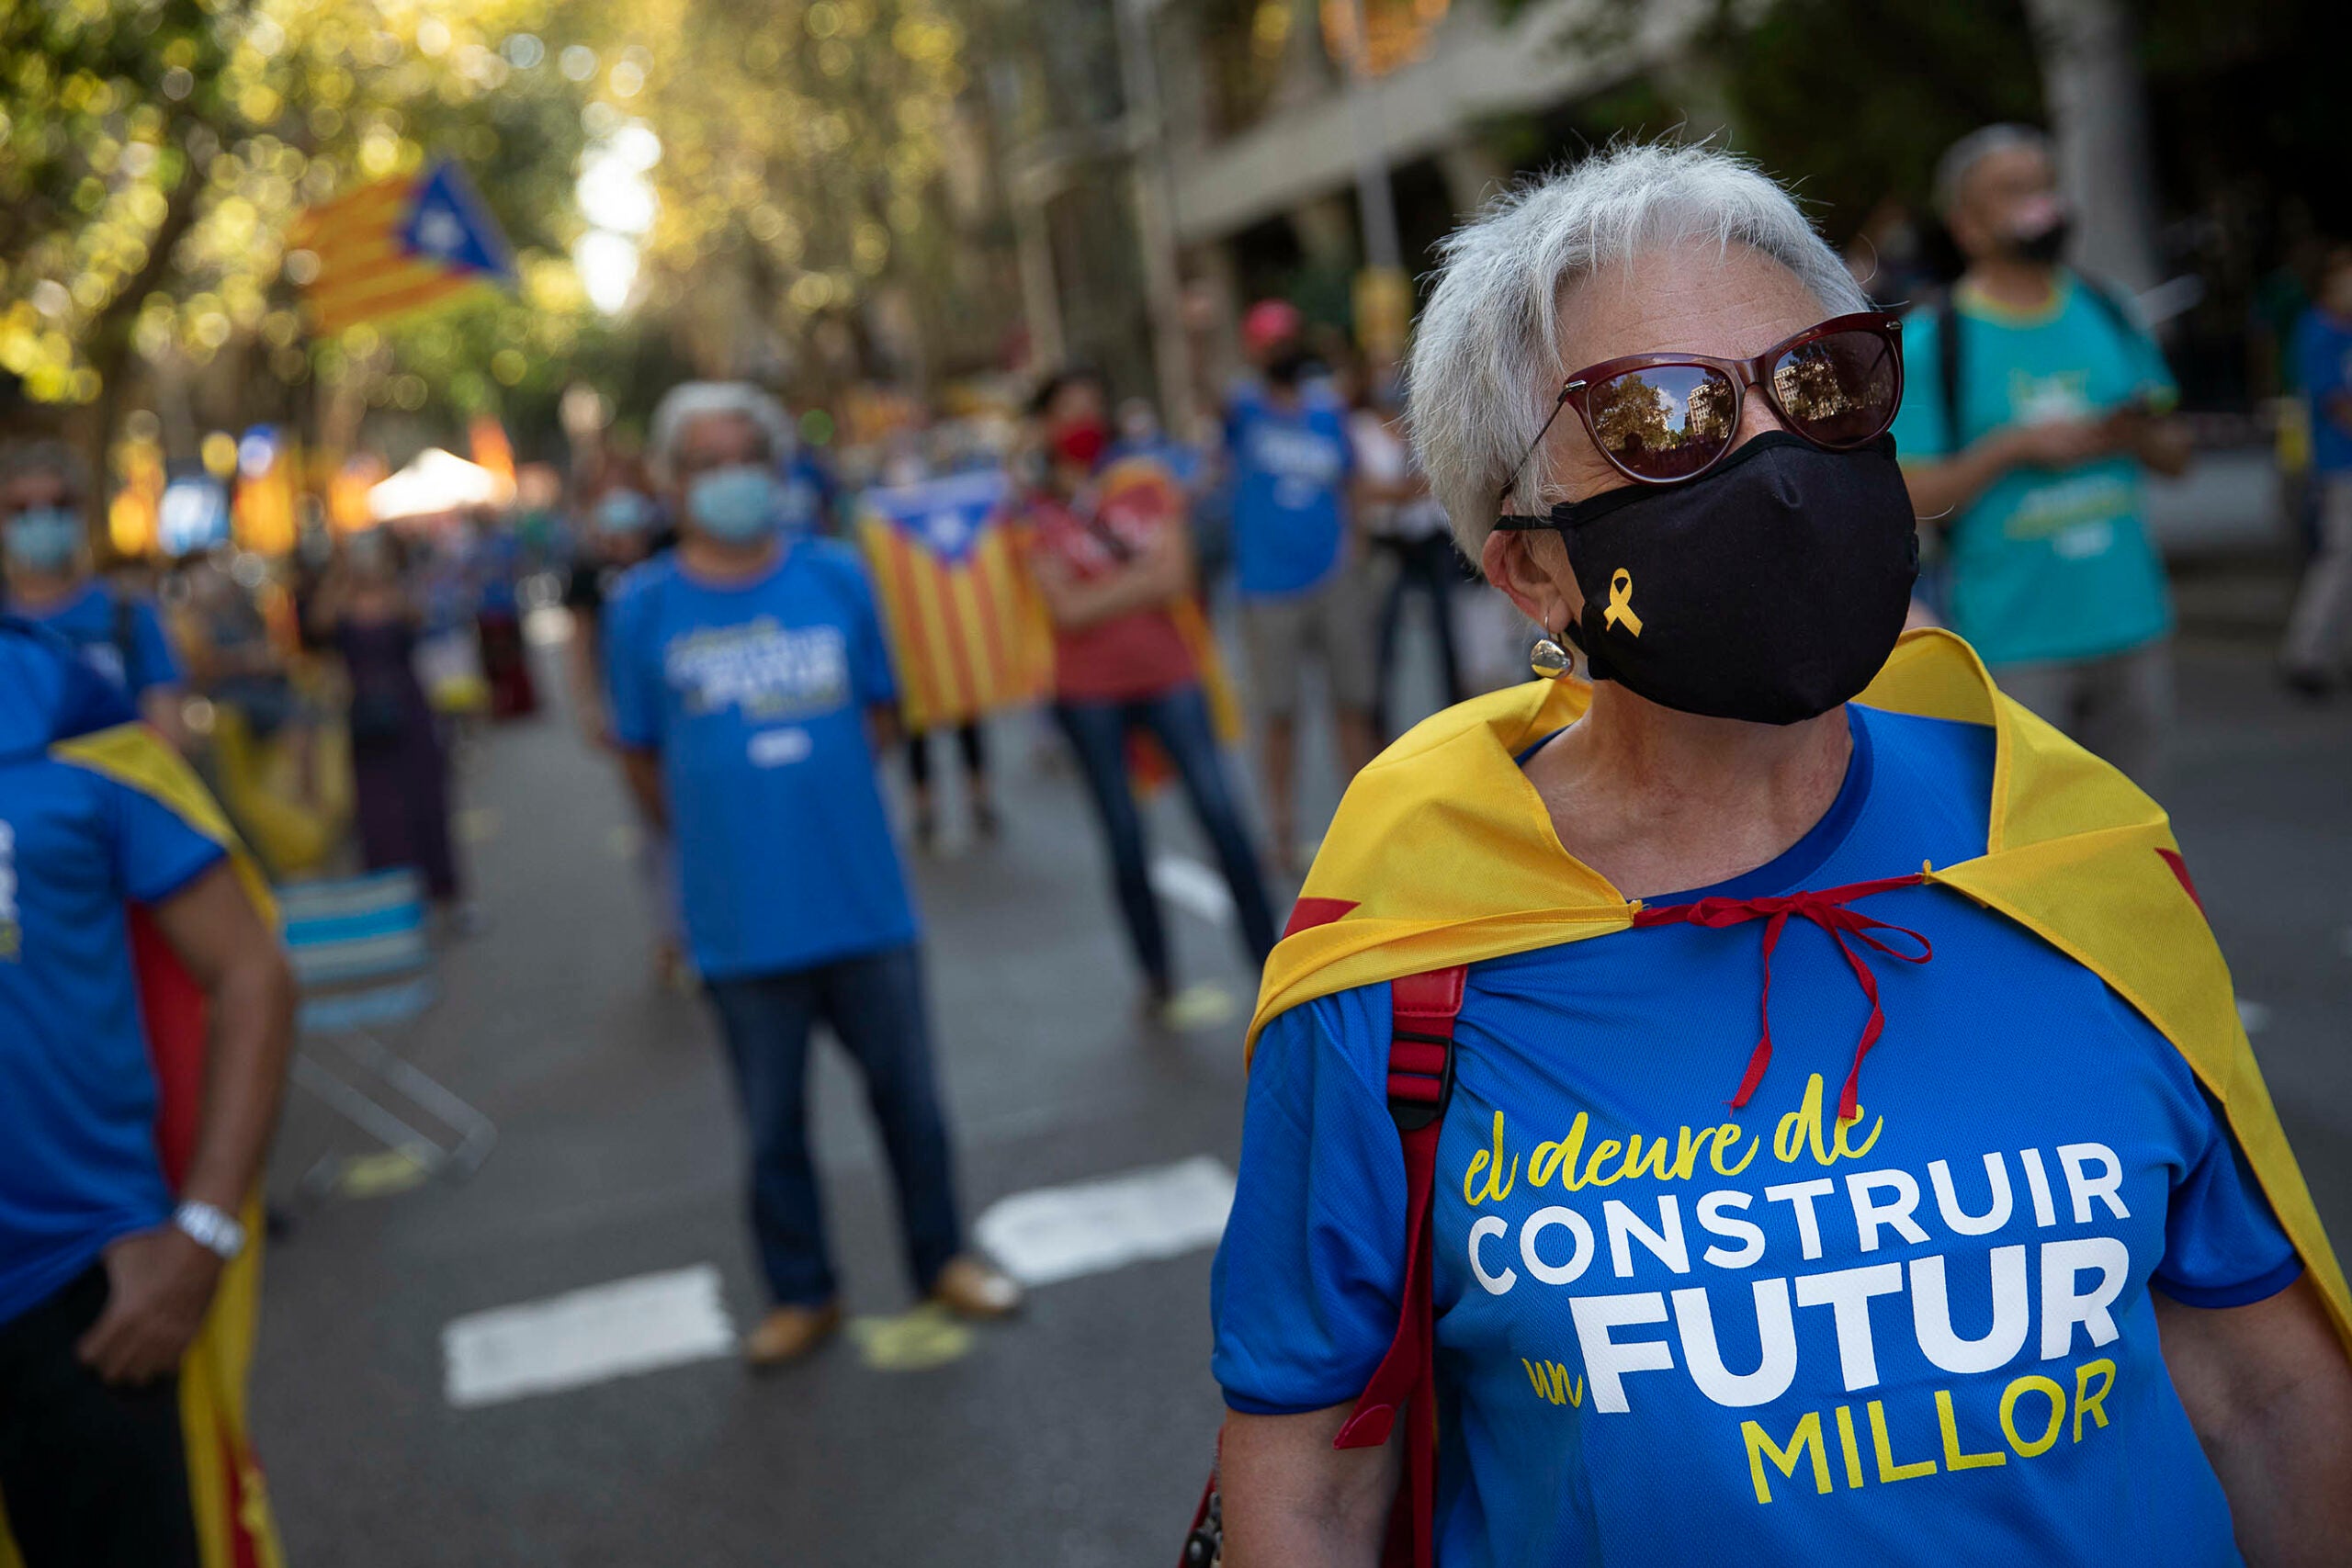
(750, 683)
(1773, 1097)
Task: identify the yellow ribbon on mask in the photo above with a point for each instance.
(1621, 602)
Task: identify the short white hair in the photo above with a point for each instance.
(690, 400)
(1487, 363)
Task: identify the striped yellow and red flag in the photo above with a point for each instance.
(396, 245)
(967, 631)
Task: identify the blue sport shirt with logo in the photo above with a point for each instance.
(1669, 1333)
(755, 695)
(78, 1162)
(1290, 476)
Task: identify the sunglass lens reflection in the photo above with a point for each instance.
(1839, 389)
(1665, 420)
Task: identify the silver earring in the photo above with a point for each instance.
(1548, 659)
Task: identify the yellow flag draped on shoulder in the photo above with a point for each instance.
(1442, 853)
(233, 1526)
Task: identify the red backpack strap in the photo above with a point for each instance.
(1420, 1081)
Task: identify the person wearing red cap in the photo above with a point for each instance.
(1299, 572)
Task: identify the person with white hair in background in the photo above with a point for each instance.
(2036, 398)
(1505, 1278)
(751, 686)
(47, 579)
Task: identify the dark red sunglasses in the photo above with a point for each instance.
(1664, 418)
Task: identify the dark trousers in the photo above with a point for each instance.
(93, 1477)
(968, 740)
(1431, 566)
(1178, 720)
(874, 1002)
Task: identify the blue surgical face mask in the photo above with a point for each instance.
(43, 539)
(624, 512)
(737, 505)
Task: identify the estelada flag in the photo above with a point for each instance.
(396, 245)
(1439, 854)
(233, 1526)
(967, 631)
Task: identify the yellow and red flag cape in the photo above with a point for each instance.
(233, 1526)
(967, 631)
(1442, 853)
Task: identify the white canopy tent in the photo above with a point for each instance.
(435, 482)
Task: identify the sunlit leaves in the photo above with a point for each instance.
(105, 105)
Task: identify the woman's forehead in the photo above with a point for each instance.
(721, 432)
(1730, 302)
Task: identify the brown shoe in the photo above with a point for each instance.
(789, 1333)
(969, 1288)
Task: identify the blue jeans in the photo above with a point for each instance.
(1178, 720)
(874, 1002)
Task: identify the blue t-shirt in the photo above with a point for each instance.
(2322, 361)
(119, 635)
(1290, 476)
(78, 1165)
(755, 695)
(1666, 1330)
(2046, 564)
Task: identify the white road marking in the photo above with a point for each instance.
(1061, 1232)
(1191, 887)
(2254, 1015)
(586, 1337)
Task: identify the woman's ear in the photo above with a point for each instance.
(1531, 570)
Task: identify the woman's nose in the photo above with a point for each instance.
(1756, 417)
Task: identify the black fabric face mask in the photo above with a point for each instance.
(2045, 245)
(1769, 590)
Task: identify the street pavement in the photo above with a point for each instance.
(1077, 1434)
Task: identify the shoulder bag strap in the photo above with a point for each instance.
(1948, 370)
(1420, 1081)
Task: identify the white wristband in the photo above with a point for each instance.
(210, 1228)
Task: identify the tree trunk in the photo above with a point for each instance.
(2090, 75)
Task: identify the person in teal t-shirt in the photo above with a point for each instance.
(2036, 475)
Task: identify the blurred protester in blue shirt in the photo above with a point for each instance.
(1303, 593)
(44, 489)
(2322, 360)
(751, 684)
(106, 1272)
(2031, 461)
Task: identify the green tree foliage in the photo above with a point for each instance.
(157, 150)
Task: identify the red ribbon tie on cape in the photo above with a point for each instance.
(1826, 907)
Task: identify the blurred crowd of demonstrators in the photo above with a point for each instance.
(321, 691)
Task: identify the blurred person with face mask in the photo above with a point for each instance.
(620, 523)
(623, 524)
(2321, 627)
(1300, 573)
(751, 685)
(1406, 525)
(44, 489)
(367, 612)
(2034, 401)
(1111, 557)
